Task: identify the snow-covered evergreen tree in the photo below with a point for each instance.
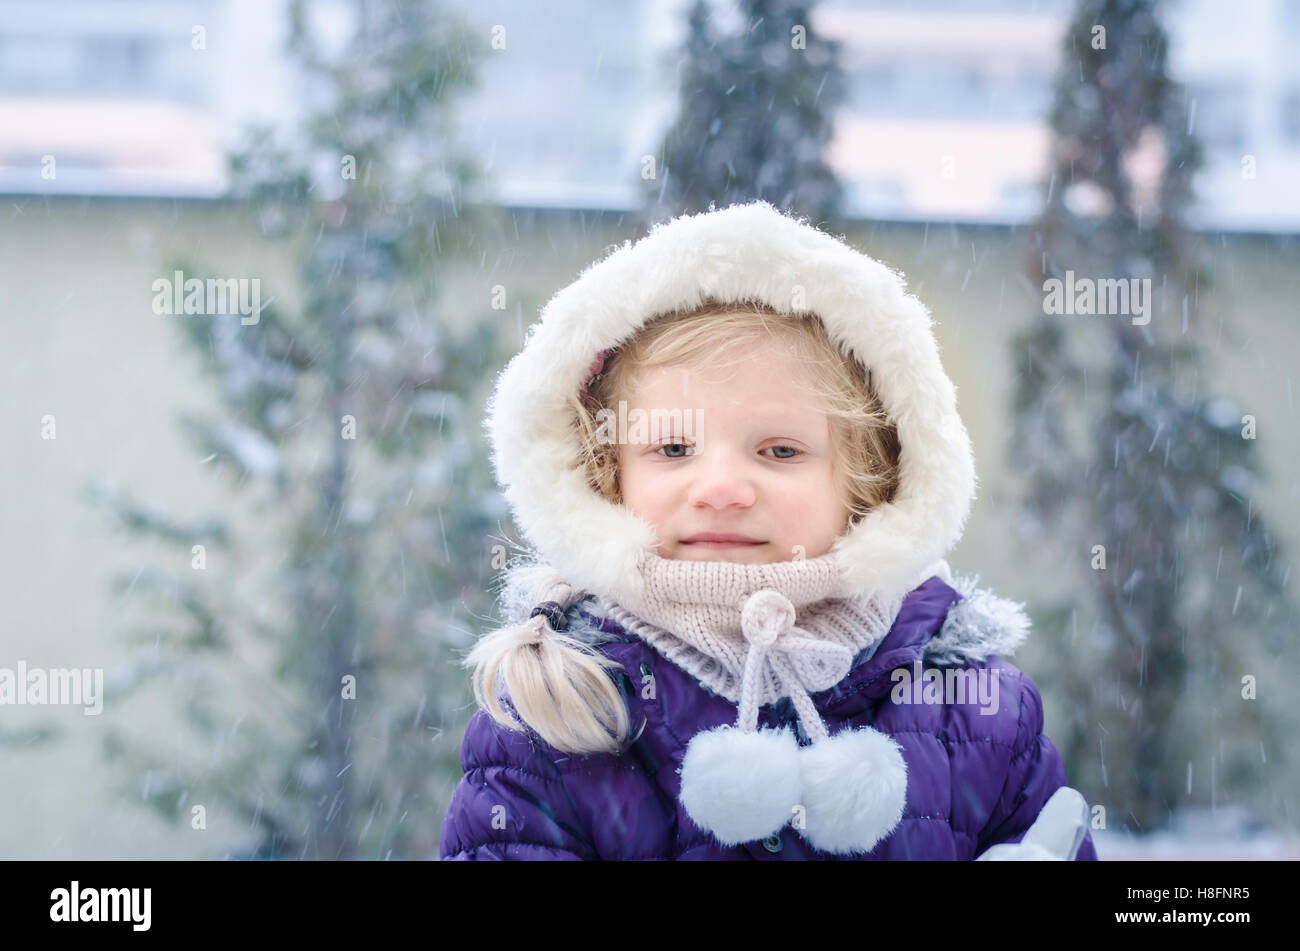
(754, 115)
(1135, 464)
(356, 411)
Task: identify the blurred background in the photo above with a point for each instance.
(276, 530)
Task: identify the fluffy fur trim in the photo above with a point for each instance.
(749, 251)
(979, 625)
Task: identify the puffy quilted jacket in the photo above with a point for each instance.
(974, 779)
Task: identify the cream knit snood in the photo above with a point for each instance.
(757, 633)
(754, 634)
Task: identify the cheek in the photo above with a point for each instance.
(648, 492)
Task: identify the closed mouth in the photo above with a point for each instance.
(717, 540)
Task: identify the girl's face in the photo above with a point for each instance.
(753, 461)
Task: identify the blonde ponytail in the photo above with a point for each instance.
(558, 684)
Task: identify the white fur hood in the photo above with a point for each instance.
(754, 252)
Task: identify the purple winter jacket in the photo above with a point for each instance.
(974, 779)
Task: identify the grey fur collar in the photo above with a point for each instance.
(979, 625)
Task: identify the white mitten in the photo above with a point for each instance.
(1055, 835)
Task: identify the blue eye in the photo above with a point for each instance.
(670, 451)
(673, 445)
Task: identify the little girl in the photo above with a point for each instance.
(738, 461)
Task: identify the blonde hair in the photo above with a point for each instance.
(560, 685)
(864, 442)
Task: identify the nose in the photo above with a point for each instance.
(721, 482)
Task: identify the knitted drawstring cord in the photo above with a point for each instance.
(768, 623)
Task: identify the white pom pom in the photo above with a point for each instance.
(741, 786)
(854, 790)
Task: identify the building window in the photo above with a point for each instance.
(1220, 122)
(1291, 116)
(117, 63)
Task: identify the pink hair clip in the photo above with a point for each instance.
(597, 365)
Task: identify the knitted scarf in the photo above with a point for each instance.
(757, 633)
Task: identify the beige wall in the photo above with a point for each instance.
(81, 342)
